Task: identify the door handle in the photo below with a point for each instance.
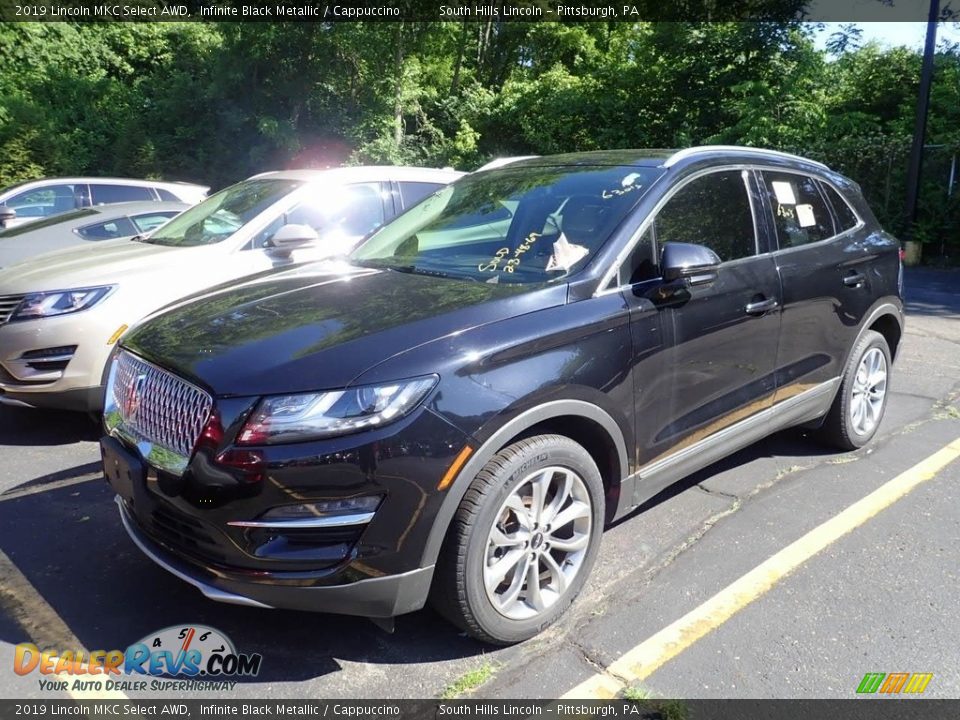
(759, 307)
(854, 279)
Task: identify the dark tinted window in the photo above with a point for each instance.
(413, 192)
(108, 230)
(713, 211)
(845, 217)
(104, 194)
(799, 209)
(167, 195)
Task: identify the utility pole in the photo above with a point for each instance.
(920, 125)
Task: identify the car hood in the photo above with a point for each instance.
(100, 263)
(299, 331)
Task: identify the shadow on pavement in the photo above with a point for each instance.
(23, 426)
(794, 442)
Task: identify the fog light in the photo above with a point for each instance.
(346, 506)
(323, 514)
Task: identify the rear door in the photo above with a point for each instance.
(824, 271)
(720, 339)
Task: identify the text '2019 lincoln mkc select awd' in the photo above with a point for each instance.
(456, 410)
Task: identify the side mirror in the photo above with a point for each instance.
(692, 264)
(292, 237)
(6, 215)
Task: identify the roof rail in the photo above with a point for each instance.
(691, 151)
(500, 162)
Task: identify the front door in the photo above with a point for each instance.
(721, 338)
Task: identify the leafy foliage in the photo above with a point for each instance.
(216, 102)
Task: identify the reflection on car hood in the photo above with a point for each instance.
(297, 331)
(101, 263)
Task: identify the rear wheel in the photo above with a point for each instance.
(859, 406)
(523, 541)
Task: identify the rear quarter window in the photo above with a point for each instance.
(799, 209)
(846, 218)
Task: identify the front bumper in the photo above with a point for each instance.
(375, 597)
(70, 380)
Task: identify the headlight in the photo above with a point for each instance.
(308, 416)
(59, 302)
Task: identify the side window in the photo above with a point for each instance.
(643, 263)
(340, 218)
(800, 212)
(413, 192)
(41, 202)
(713, 211)
(167, 195)
(104, 194)
(846, 218)
(151, 221)
(116, 228)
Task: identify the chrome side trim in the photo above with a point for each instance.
(324, 521)
(764, 417)
(208, 590)
(658, 475)
(703, 149)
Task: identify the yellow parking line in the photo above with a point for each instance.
(644, 659)
(44, 626)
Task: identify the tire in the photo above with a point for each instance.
(498, 497)
(843, 427)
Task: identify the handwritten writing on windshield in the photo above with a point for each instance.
(502, 254)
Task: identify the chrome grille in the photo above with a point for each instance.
(157, 405)
(8, 304)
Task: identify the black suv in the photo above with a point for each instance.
(455, 411)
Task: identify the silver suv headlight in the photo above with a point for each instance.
(59, 302)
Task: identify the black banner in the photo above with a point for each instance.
(483, 11)
(854, 709)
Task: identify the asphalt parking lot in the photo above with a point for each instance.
(880, 598)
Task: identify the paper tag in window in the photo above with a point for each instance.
(565, 255)
(805, 215)
(784, 193)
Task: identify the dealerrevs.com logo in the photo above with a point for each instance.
(188, 657)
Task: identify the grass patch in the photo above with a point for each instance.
(470, 680)
(656, 709)
(951, 412)
(636, 692)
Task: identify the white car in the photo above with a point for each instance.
(62, 312)
(36, 199)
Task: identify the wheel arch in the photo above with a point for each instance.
(585, 423)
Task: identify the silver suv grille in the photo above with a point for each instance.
(8, 303)
(157, 405)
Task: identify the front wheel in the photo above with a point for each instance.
(859, 406)
(523, 541)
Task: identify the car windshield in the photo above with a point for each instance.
(511, 225)
(221, 215)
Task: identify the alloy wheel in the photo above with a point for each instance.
(537, 543)
(869, 390)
